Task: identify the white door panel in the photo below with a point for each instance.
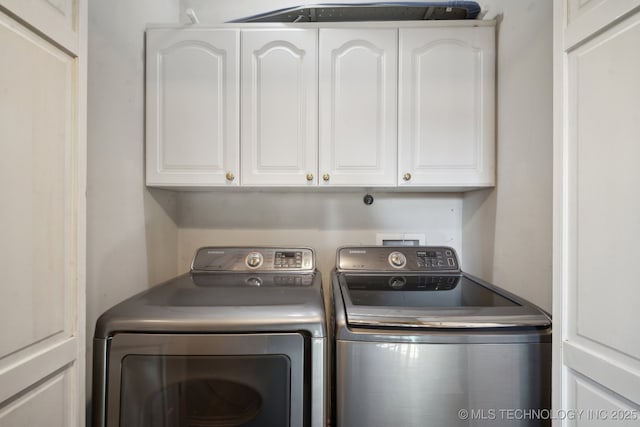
(585, 17)
(42, 167)
(600, 407)
(36, 137)
(604, 126)
(597, 350)
(57, 19)
(46, 405)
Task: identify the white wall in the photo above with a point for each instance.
(131, 236)
(507, 233)
(322, 220)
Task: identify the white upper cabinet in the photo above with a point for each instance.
(192, 107)
(279, 107)
(358, 106)
(446, 107)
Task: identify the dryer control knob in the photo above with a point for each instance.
(254, 260)
(397, 259)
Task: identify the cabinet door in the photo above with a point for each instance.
(446, 107)
(192, 107)
(279, 107)
(358, 106)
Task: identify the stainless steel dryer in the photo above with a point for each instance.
(420, 343)
(238, 341)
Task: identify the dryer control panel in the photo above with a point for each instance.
(246, 259)
(436, 259)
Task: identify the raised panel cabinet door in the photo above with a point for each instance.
(446, 107)
(192, 107)
(279, 107)
(358, 107)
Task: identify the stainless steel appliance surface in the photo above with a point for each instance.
(240, 340)
(421, 343)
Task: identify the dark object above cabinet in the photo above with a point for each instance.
(381, 11)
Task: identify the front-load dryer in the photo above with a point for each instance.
(421, 343)
(240, 340)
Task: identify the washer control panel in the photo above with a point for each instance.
(436, 259)
(261, 259)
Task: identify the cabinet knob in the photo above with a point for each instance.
(309, 177)
(406, 176)
(230, 176)
(326, 177)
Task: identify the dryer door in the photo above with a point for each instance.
(206, 380)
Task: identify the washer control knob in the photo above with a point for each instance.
(254, 260)
(397, 259)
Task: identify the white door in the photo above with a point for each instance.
(597, 213)
(358, 106)
(192, 112)
(446, 108)
(42, 212)
(279, 107)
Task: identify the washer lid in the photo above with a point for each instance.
(223, 302)
(432, 301)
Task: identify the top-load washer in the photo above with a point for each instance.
(420, 343)
(240, 340)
